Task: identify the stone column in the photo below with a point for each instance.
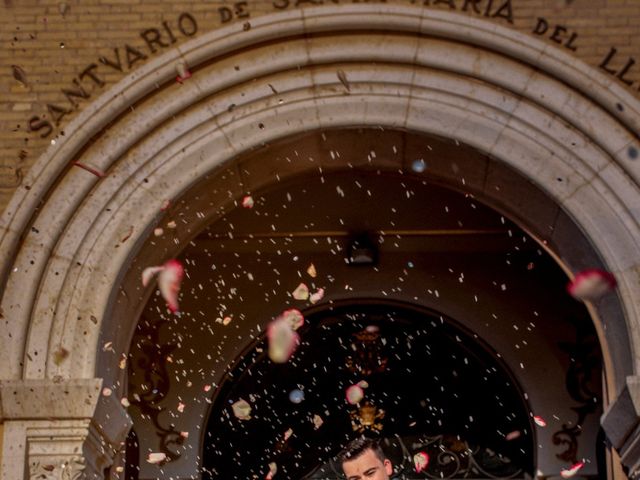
(59, 430)
(621, 423)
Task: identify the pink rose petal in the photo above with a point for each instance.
(539, 421)
(273, 468)
(181, 407)
(169, 282)
(301, 292)
(420, 461)
(288, 434)
(148, 273)
(294, 317)
(316, 297)
(155, 458)
(282, 340)
(247, 202)
(512, 435)
(354, 394)
(568, 473)
(591, 284)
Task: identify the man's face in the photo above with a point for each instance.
(367, 466)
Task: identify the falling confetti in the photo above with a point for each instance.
(512, 435)
(311, 271)
(420, 461)
(157, 457)
(273, 468)
(294, 317)
(591, 284)
(343, 79)
(301, 292)
(94, 171)
(169, 281)
(316, 297)
(247, 201)
(19, 74)
(568, 473)
(317, 421)
(296, 396)
(242, 410)
(539, 421)
(288, 434)
(354, 394)
(183, 71)
(60, 355)
(282, 340)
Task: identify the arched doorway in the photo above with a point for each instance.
(74, 253)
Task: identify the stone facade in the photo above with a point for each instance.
(139, 137)
(67, 54)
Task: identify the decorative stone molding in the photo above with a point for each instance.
(64, 430)
(71, 469)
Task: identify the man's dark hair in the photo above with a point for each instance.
(357, 447)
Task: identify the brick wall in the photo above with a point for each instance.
(49, 45)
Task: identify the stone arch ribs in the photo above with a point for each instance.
(558, 122)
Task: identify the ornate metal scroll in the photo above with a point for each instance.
(582, 371)
(149, 395)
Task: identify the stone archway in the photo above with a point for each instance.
(68, 238)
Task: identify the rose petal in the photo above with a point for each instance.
(206, 388)
(288, 434)
(316, 297)
(294, 317)
(169, 282)
(591, 284)
(568, 473)
(420, 461)
(311, 271)
(242, 410)
(155, 458)
(106, 391)
(60, 355)
(226, 321)
(317, 421)
(539, 421)
(273, 468)
(512, 435)
(354, 394)
(184, 434)
(124, 401)
(148, 273)
(247, 201)
(181, 407)
(282, 340)
(363, 384)
(301, 292)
